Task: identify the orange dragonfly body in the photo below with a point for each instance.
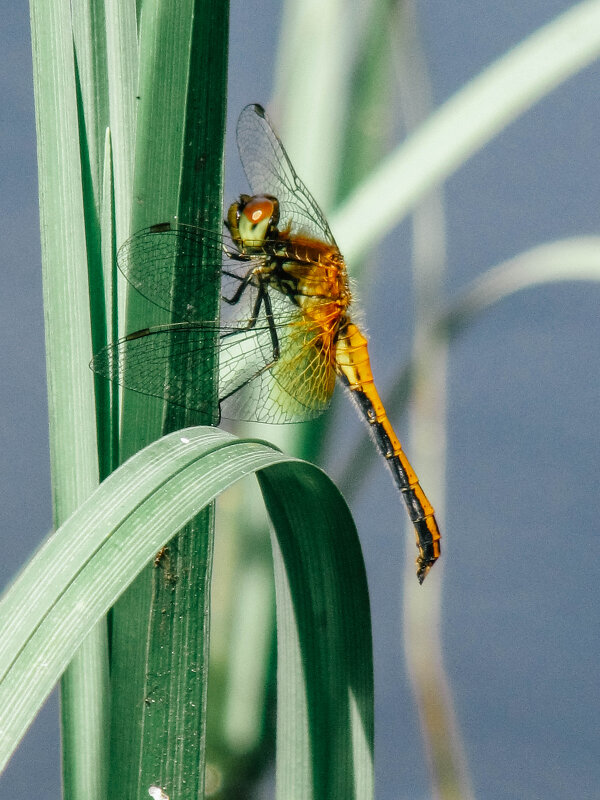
(291, 335)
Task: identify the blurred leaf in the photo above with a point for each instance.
(465, 123)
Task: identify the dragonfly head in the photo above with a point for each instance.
(252, 220)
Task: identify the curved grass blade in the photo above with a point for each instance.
(325, 669)
(324, 681)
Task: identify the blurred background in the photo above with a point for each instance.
(519, 617)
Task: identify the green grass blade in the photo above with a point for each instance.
(89, 35)
(570, 260)
(94, 552)
(107, 394)
(178, 172)
(84, 710)
(372, 95)
(68, 341)
(324, 677)
(89, 44)
(322, 597)
(122, 77)
(85, 717)
(464, 124)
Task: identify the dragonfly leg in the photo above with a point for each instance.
(235, 255)
(262, 298)
(264, 368)
(245, 282)
(271, 324)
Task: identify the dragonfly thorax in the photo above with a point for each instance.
(303, 268)
(316, 270)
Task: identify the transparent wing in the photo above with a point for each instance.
(163, 361)
(148, 260)
(270, 171)
(272, 370)
(295, 386)
(160, 361)
(303, 378)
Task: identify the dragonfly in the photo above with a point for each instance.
(286, 334)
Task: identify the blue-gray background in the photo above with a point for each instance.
(520, 613)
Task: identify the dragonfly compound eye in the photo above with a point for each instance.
(256, 218)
